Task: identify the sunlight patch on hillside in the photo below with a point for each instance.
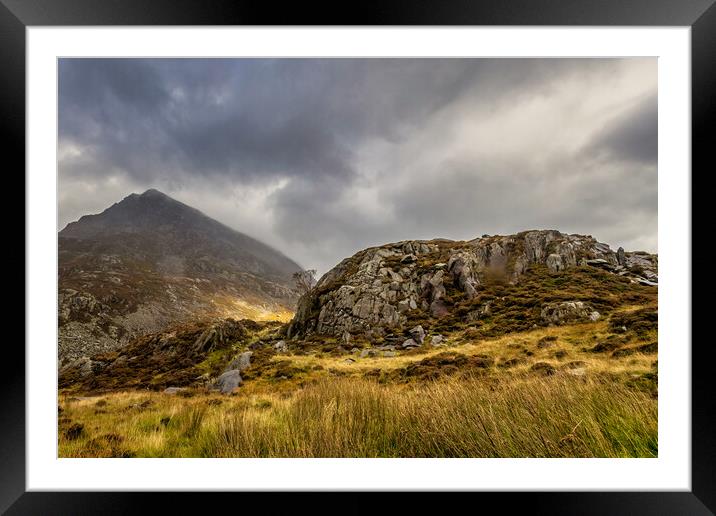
(241, 309)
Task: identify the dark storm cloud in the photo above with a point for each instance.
(321, 157)
(633, 135)
(247, 118)
(94, 86)
(251, 118)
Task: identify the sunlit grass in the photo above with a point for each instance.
(242, 309)
(313, 403)
(527, 416)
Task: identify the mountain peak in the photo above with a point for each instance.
(166, 227)
(153, 192)
(148, 195)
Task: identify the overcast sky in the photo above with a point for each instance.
(323, 157)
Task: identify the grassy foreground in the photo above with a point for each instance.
(528, 416)
(579, 390)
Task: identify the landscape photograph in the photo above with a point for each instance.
(357, 258)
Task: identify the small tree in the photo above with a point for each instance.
(304, 280)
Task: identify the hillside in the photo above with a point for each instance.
(538, 344)
(150, 261)
(409, 299)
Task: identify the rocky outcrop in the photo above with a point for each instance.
(568, 312)
(378, 288)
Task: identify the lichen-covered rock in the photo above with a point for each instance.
(378, 288)
(567, 312)
(554, 262)
(241, 362)
(410, 343)
(621, 256)
(418, 334)
(227, 382)
(437, 340)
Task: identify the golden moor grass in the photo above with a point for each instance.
(526, 416)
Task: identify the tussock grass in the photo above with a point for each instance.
(581, 390)
(525, 416)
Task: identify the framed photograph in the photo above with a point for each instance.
(444, 248)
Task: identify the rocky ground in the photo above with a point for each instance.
(104, 309)
(405, 300)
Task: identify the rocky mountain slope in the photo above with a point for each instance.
(172, 358)
(149, 261)
(382, 289)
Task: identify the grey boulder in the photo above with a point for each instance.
(437, 340)
(241, 362)
(567, 312)
(418, 334)
(227, 382)
(410, 343)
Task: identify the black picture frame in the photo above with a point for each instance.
(16, 15)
